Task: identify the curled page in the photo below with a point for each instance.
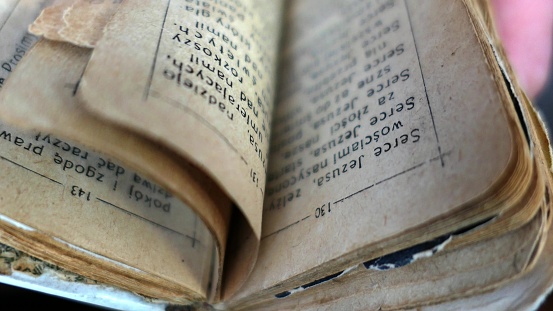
(224, 133)
(118, 198)
(201, 81)
(142, 213)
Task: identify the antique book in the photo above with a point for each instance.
(241, 154)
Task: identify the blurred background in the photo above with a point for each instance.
(545, 104)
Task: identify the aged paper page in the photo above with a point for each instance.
(197, 77)
(105, 184)
(95, 207)
(387, 122)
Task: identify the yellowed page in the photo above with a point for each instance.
(389, 120)
(114, 214)
(147, 204)
(80, 22)
(15, 41)
(197, 77)
(61, 198)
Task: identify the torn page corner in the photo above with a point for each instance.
(80, 23)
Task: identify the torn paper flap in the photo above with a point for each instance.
(79, 22)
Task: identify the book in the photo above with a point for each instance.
(272, 154)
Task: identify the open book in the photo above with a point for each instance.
(273, 154)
